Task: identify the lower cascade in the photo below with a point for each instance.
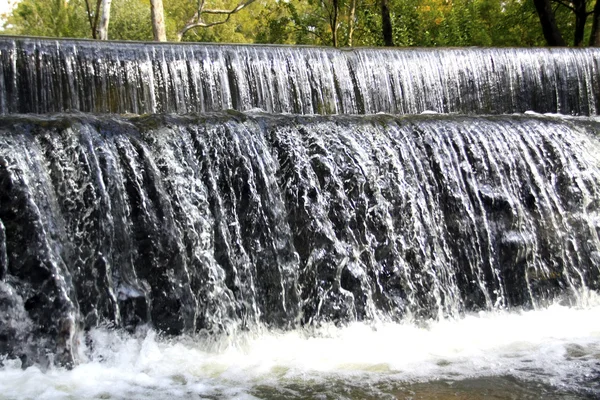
(231, 223)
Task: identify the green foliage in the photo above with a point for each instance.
(277, 27)
(295, 22)
(130, 20)
(414, 22)
(56, 18)
(465, 23)
(514, 23)
(240, 28)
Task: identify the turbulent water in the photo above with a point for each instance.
(232, 243)
(39, 76)
(546, 354)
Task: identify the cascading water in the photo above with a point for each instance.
(262, 244)
(41, 76)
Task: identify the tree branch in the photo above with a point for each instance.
(567, 5)
(90, 18)
(198, 22)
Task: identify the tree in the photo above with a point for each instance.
(351, 22)
(158, 20)
(551, 33)
(92, 13)
(104, 14)
(216, 16)
(332, 8)
(386, 24)
(577, 9)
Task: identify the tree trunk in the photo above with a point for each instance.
(595, 35)
(549, 27)
(158, 20)
(580, 19)
(351, 22)
(333, 22)
(92, 14)
(102, 27)
(386, 24)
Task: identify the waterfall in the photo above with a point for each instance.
(41, 76)
(216, 191)
(231, 220)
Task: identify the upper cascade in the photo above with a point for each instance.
(48, 76)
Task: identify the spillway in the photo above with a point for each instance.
(222, 197)
(48, 76)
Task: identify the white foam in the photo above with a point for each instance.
(559, 346)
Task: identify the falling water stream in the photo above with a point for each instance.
(209, 221)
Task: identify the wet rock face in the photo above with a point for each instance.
(16, 328)
(217, 223)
